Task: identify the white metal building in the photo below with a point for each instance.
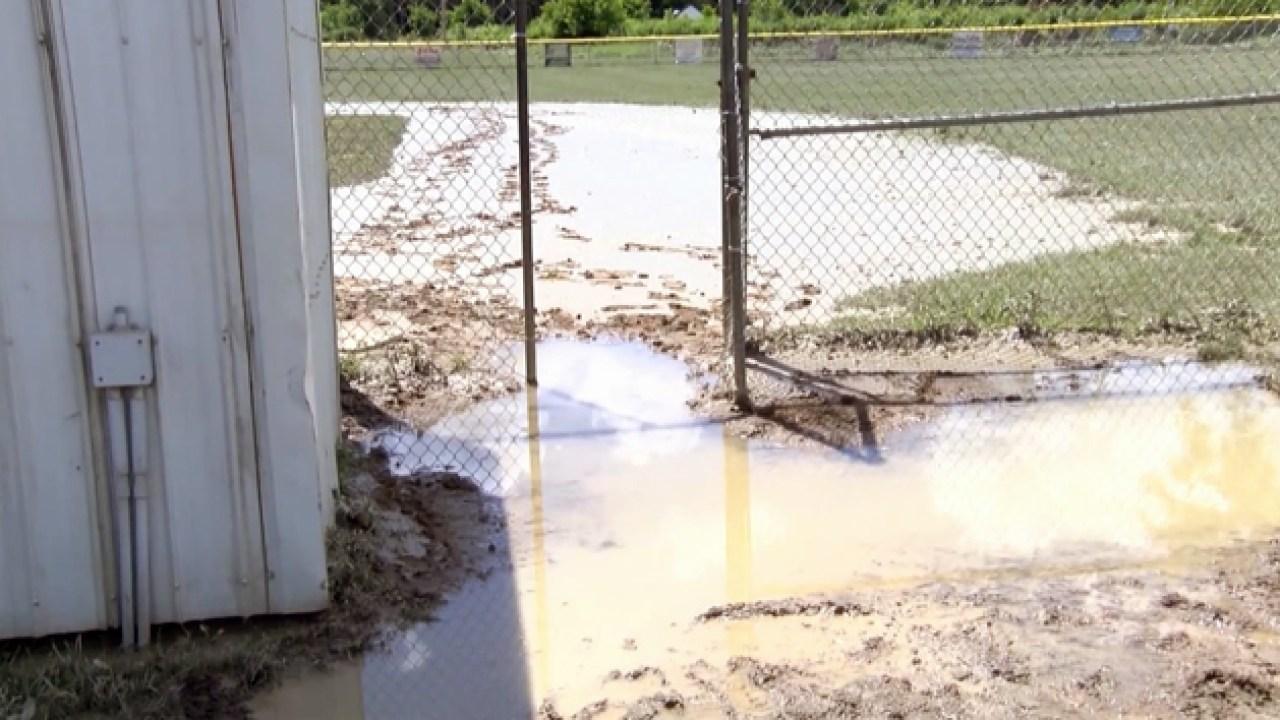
(162, 176)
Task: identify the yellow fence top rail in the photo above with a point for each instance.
(890, 32)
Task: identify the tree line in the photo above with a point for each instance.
(347, 20)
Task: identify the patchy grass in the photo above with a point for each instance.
(361, 146)
(204, 670)
(351, 367)
(1216, 293)
(210, 670)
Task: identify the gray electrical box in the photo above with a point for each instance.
(121, 359)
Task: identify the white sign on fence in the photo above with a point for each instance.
(427, 57)
(557, 55)
(826, 48)
(688, 51)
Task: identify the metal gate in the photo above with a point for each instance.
(429, 173)
(973, 199)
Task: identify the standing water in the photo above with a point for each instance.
(629, 517)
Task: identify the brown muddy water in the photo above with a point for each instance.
(628, 518)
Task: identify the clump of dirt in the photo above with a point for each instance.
(409, 540)
(1216, 693)
(688, 333)
(426, 351)
(654, 706)
(649, 707)
(399, 546)
(789, 607)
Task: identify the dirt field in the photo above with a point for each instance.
(615, 241)
(1005, 588)
(996, 559)
(427, 257)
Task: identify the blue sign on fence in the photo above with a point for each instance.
(1126, 34)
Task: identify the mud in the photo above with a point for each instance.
(399, 551)
(822, 391)
(1105, 550)
(1096, 643)
(895, 532)
(428, 268)
(1090, 644)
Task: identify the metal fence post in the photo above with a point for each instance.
(526, 198)
(732, 198)
(744, 120)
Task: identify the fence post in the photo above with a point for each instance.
(744, 123)
(526, 198)
(732, 199)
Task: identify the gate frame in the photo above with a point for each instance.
(735, 77)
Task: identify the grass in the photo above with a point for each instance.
(351, 367)
(361, 146)
(1204, 174)
(1195, 287)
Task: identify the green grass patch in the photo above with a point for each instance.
(360, 146)
(1219, 295)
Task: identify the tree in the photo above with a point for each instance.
(638, 9)
(470, 13)
(423, 21)
(391, 19)
(584, 18)
(341, 22)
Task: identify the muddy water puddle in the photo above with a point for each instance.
(629, 518)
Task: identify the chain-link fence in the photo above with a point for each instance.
(424, 154)
(985, 187)
(426, 217)
(425, 162)
(940, 202)
(955, 179)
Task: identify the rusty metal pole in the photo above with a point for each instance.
(526, 193)
(732, 198)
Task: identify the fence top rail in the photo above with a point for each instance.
(790, 35)
(1020, 116)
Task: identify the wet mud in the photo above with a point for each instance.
(1108, 549)
(895, 531)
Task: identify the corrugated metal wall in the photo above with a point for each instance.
(277, 120)
(53, 571)
(195, 200)
(147, 130)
